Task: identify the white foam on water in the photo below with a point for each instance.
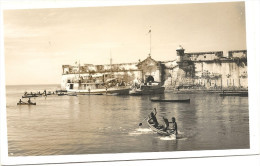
(167, 138)
(140, 131)
(144, 130)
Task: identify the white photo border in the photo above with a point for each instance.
(252, 32)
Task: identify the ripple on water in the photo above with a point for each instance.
(140, 131)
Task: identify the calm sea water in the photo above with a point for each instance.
(62, 125)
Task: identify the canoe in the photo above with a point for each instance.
(29, 96)
(234, 94)
(62, 94)
(162, 100)
(169, 132)
(26, 103)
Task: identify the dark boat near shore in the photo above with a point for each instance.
(26, 103)
(169, 132)
(30, 96)
(62, 94)
(147, 89)
(241, 94)
(177, 100)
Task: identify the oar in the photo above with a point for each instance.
(140, 124)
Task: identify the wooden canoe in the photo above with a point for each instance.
(160, 131)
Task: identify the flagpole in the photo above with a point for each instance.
(79, 69)
(150, 42)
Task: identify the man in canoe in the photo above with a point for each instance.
(174, 125)
(153, 118)
(20, 101)
(29, 101)
(166, 124)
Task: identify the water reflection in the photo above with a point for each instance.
(110, 124)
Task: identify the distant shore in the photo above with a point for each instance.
(190, 91)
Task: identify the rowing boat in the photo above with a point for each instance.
(29, 96)
(163, 100)
(169, 132)
(26, 103)
(62, 94)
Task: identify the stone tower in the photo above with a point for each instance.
(180, 54)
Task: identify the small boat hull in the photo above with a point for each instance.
(147, 90)
(234, 94)
(26, 103)
(182, 101)
(169, 132)
(110, 91)
(62, 94)
(29, 96)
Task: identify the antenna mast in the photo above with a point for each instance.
(110, 63)
(150, 32)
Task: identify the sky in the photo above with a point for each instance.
(37, 42)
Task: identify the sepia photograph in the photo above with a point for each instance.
(123, 80)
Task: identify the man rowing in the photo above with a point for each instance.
(166, 124)
(29, 101)
(153, 119)
(174, 125)
(20, 101)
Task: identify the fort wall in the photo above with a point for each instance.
(199, 70)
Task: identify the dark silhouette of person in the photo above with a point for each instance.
(166, 124)
(174, 125)
(153, 118)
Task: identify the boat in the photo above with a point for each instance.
(177, 100)
(96, 89)
(97, 86)
(169, 132)
(62, 94)
(241, 94)
(147, 89)
(29, 96)
(26, 103)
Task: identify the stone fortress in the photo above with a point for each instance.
(196, 70)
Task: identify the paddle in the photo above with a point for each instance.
(140, 124)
